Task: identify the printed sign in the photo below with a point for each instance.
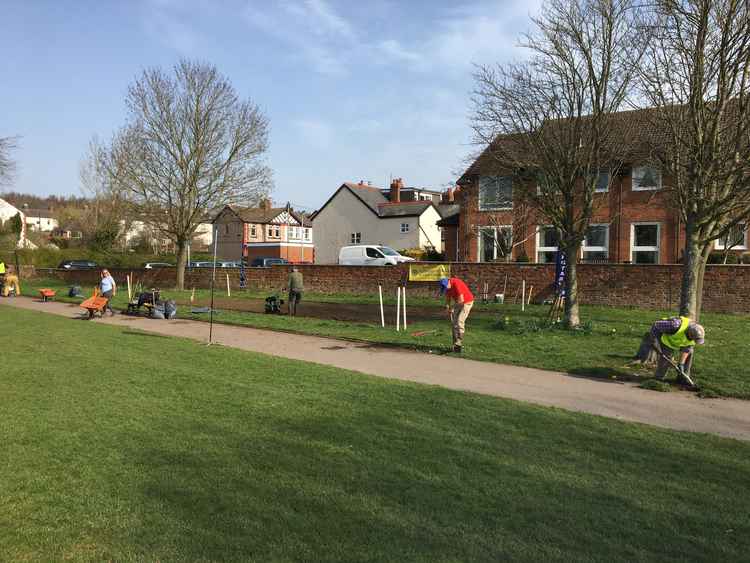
(425, 273)
(560, 269)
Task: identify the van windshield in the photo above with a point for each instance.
(388, 251)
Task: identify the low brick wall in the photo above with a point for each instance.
(726, 288)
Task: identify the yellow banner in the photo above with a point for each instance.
(423, 272)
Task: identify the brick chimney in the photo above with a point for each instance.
(447, 196)
(265, 204)
(396, 186)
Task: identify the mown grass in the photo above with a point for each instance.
(126, 446)
(602, 350)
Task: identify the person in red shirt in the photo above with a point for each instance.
(458, 302)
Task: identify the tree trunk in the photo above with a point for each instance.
(572, 316)
(704, 260)
(182, 246)
(691, 275)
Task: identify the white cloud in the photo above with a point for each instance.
(166, 21)
(312, 27)
(395, 50)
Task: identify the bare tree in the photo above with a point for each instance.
(7, 163)
(696, 75)
(190, 146)
(548, 121)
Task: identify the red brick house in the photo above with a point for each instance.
(264, 232)
(633, 222)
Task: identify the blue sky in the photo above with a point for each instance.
(354, 90)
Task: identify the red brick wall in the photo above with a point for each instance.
(620, 207)
(727, 288)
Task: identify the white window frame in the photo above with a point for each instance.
(253, 231)
(605, 248)
(634, 248)
(718, 245)
(355, 238)
(405, 228)
(633, 174)
(540, 249)
(307, 233)
(492, 207)
(480, 254)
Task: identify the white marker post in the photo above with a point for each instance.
(382, 315)
(523, 295)
(403, 304)
(229, 291)
(398, 309)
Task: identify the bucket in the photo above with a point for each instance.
(500, 298)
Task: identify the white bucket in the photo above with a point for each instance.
(500, 298)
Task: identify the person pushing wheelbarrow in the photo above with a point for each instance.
(667, 337)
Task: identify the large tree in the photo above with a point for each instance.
(696, 74)
(548, 120)
(7, 163)
(190, 146)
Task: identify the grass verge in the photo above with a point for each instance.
(122, 445)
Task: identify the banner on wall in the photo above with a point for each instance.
(427, 273)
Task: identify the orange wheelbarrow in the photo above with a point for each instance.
(95, 304)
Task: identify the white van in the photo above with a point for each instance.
(370, 255)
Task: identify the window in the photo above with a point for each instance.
(602, 182)
(253, 231)
(308, 233)
(356, 238)
(495, 243)
(644, 243)
(547, 242)
(294, 233)
(646, 178)
(404, 227)
(596, 244)
(373, 253)
(495, 192)
(736, 239)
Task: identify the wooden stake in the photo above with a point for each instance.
(531, 290)
(398, 309)
(523, 295)
(382, 315)
(403, 304)
(505, 285)
(229, 291)
(192, 296)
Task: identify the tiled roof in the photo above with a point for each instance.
(260, 215)
(44, 213)
(371, 196)
(448, 209)
(637, 134)
(403, 209)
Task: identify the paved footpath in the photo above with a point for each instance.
(624, 401)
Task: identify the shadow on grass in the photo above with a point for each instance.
(141, 333)
(609, 374)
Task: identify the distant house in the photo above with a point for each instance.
(7, 212)
(264, 232)
(40, 220)
(364, 214)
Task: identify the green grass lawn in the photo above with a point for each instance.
(611, 340)
(127, 446)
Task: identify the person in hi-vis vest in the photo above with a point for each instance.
(676, 335)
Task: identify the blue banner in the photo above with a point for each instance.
(560, 269)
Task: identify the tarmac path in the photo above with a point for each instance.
(624, 401)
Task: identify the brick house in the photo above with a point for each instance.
(264, 232)
(633, 222)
